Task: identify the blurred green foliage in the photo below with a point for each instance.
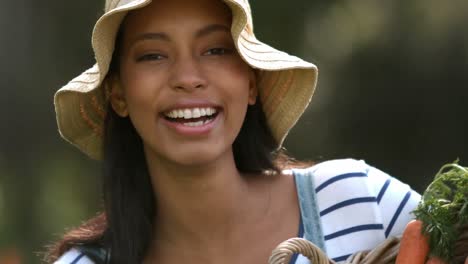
(392, 90)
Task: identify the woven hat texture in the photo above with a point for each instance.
(286, 83)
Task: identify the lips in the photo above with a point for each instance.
(192, 119)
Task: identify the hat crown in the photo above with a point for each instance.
(110, 5)
(113, 4)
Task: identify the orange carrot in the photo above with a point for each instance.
(413, 245)
(435, 260)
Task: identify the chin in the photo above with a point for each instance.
(194, 154)
(200, 156)
(193, 161)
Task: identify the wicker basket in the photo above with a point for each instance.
(385, 253)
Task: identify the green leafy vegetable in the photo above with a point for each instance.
(444, 209)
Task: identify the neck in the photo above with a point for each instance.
(202, 205)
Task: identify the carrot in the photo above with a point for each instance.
(414, 247)
(435, 260)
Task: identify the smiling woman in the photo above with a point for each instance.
(184, 66)
(188, 112)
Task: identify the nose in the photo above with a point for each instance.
(187, 74)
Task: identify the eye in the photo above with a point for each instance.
(218, 51)
(151, 57)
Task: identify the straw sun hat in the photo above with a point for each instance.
(285, 83)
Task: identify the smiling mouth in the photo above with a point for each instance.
(192, 117)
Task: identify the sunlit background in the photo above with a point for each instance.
(393, 90)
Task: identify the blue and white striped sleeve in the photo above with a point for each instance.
(395, 200)
(74, 256)
(359, 203)
(348, 208)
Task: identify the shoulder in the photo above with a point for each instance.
(329, 174)
(74, 256)
(351, 175)
(350, 181)
(340, 185)
(344, 168)
(347, 186)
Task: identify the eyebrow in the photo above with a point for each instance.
(211, 29)
(198, 34)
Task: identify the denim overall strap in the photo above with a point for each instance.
(308, 204)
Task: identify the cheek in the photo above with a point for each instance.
(233, 73)
(240, 83)
(236, 81)
(141, 87)
(141, 92)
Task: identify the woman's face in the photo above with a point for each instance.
(182, 82)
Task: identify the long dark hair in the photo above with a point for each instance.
(125, 227)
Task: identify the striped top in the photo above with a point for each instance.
(356, 202)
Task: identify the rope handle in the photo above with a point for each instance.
(384, 253)
(283, 252)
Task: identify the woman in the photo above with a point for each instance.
(188, 111)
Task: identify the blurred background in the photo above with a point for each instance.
(393, 90)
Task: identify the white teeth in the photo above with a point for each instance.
(190, 113)
(198, 123)
(187, 114)
(194, 124)
(171, 114)
(196, 113)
